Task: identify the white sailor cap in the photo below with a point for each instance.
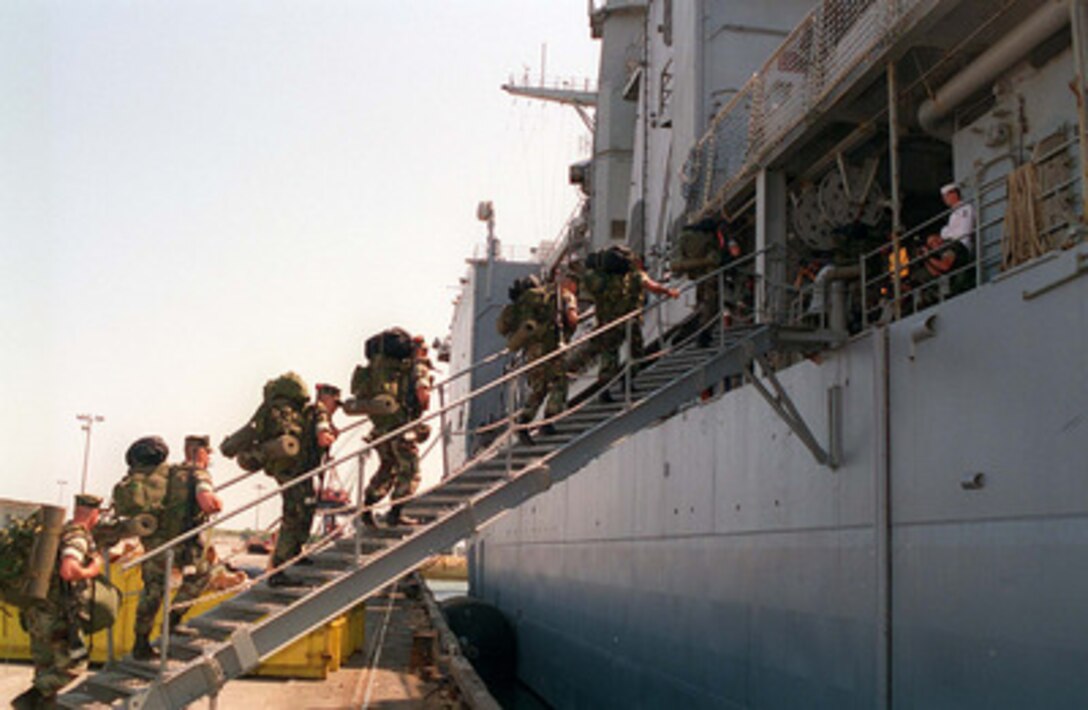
(945, 189)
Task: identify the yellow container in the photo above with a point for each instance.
(355, 633)
(311, 656)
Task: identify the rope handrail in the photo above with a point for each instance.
(408, 426)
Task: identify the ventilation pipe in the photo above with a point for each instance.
(990, 64)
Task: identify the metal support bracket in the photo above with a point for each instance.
(244, 648)
(783, 406)
(213, 671)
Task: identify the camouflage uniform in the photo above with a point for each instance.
(614, 296)
(50, 622)
(300, 501)
(179, 513)
(398, 469)
(548, 381)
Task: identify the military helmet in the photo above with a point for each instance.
(147, 451)
(88, 500)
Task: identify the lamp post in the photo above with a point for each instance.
(257, 509)
(88, 424)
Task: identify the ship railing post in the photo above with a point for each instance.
(442, 431)
(864, 292)
(360, 502)
(511, 409)
(978, 238)
(630, 361)
(720, 327)
(166, 577)
(109, 631)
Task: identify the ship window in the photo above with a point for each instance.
(619, 228)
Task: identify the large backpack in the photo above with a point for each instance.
(694, 253)
(28, 555)
(395, 343)
(527, 318)
(274, 432)
(142, 490)
(290, 387)
(377, 387)
(615, 260)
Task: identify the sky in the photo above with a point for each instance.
(197, 196)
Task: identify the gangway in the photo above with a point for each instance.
(236, 635)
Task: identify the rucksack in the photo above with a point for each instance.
(394, 342)
(288, 386)
(28, 555)
(527, 318)
(616, 260)
(142, 490)
(520, 286)
(694, 253)
(274, 431)
(376, 386)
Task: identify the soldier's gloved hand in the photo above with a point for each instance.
(423, 432)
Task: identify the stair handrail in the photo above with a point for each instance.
(558, 352)
(356, 424)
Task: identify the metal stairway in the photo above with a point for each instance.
(238, 633)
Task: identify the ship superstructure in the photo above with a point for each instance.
(899, 519)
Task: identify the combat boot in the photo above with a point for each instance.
(367, 516)
(179, 627)
(396, 517)
(29, 700)
(548, 430)
(142, 650)
(282, 579)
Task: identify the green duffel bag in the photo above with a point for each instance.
(105, 604)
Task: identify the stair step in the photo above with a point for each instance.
(142, 669)
(194, 644)
(313, 572)
(444, 498)
(454, 487)
(367, 545)
(76, 699)
(490, 475)
(426, 515)
(284, 595)
(216, 628)
(247, 611)
(389, 533)
(334, 560)
(147, 670)
(120, 685)
(535, 450)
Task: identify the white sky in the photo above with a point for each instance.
(196, 196)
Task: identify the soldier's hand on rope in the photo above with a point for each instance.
(325, 439)
(209, 502)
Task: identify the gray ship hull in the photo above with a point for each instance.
(710, 561)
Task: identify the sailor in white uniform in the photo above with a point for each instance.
(961, 222)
